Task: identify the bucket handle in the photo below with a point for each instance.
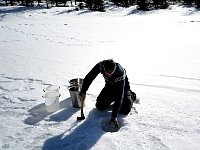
(70, 82)
(45, 91)
(71, 86)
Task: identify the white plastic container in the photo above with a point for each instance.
(51, 101)
(52, 88)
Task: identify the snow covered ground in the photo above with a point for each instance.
(160, 50)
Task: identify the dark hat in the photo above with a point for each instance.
(109, 65)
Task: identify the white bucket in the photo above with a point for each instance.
(52, 88)
(51, 101)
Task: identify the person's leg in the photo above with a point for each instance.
(104, 99)
(133, 95)
(127, 104)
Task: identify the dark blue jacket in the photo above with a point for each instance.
(118, 81)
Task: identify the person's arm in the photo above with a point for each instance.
(117, 104)
(119, 98)
(127, 89)
(89, 78)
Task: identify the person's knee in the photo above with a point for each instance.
(100, 107)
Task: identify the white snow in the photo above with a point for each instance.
(160, 50)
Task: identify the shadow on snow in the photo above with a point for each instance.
(39, 112)
(19, 9)
(84, 136)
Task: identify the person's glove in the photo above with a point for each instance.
(82, 96)
(114, 121)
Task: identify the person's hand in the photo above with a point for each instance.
(114, 121)
(82, 97)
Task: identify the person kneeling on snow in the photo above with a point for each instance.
(117, 89)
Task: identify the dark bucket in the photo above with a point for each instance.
(74, 93)
(76, 82)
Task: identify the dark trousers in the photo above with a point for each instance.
(127, 104)
(108, 95)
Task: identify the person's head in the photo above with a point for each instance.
(109, 67)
